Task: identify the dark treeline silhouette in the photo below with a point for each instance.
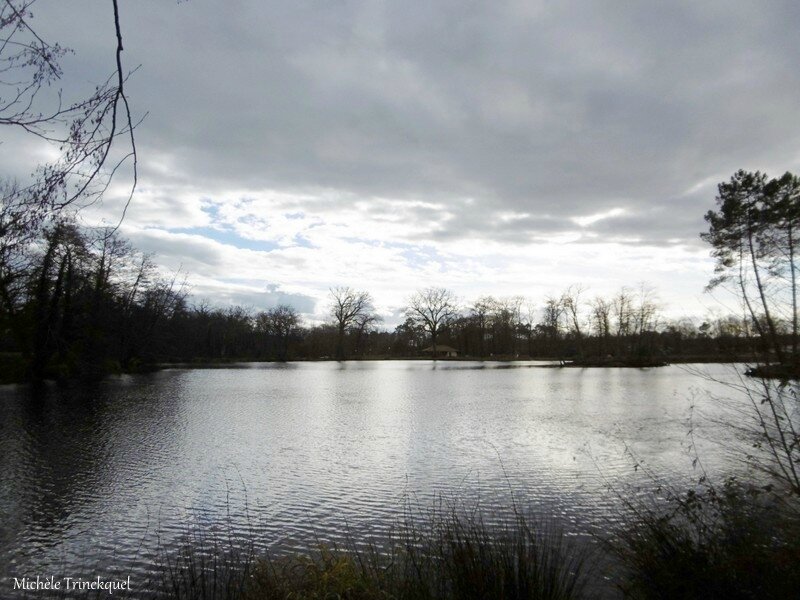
(84, 302)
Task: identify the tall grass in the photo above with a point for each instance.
(205, 567)
(446, 555)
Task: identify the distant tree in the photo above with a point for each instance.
(550, 326)
(645, 319)
(362, 326)
(571, 304)
(528, 313)
(506, 319)
(481, 311)
(348, 308)
(409, 337)
(601, 321)
(279, 324)
(622, 309)
(432, 308)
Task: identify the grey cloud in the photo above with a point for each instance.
(675, 220)
(516, 229)
(182, 251)
(554, 109)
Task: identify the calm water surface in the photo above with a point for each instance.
(95, 480)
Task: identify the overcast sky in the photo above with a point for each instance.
(489, 147)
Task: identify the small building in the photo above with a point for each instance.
(441, 351)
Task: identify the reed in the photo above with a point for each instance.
(447, 554)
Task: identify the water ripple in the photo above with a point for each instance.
(106, 477)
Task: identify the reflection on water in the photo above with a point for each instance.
(94, 479)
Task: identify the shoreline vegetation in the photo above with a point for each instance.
(719, 542)
(441, 554)
(13, 374)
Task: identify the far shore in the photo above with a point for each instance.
(549, 362)
(11, 371)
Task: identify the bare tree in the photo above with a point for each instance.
(622, 307)
(635, 315)
(279, 323)
(645, 319)
(509, 315)
(645, 314)
(83, 131)
(570, 301)
(16, 237)
(348, 307)
(432, 308)
(601, 320)
(362, 326)
(601, 316)
(481, 311)
(527, 322)
(551, 318)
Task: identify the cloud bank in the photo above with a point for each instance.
(492, 147)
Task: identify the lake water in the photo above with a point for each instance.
(94, 480)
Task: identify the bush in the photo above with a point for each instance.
(730, 543)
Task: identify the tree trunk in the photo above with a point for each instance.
(340, 343)
(794, 292)
(770, 324)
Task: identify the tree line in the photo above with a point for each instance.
(78, 301)
(83, 302)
